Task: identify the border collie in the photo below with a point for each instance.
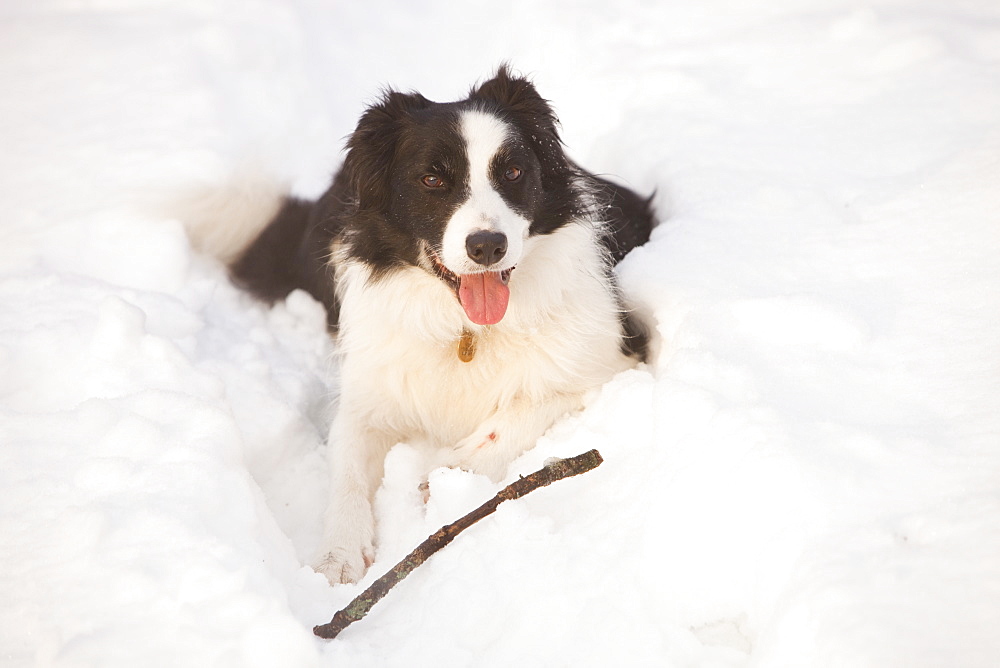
(466, 266)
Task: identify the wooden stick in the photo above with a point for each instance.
(554, 470)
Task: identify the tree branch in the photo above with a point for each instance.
(554, 470)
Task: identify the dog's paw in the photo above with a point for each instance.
(344, 566)
(481, 452)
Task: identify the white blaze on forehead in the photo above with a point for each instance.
(484, 135)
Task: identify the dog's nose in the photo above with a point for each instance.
(485, 247)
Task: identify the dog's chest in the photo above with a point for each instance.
(423, 385)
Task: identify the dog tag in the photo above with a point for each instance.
(466, 346)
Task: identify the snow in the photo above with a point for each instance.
(806, 473)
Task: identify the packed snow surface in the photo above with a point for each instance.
(807, 473)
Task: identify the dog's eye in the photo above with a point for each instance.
(432, 181)
(512, 173)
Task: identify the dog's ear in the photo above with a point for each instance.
(516, 98)
(514, 95)
(372, 147)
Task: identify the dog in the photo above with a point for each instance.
(466, 265)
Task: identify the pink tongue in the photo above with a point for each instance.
(484, 297)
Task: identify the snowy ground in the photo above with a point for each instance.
(807, 474)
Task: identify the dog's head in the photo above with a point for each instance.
(462, 185)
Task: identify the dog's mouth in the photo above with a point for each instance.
(483, 296)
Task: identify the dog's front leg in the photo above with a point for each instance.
(506, 434)
(356, 457)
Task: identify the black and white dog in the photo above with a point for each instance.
(466, 266)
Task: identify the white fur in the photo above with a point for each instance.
(485, 209)
(402, 380)
(223, 219)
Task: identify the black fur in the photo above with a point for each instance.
(378, 208)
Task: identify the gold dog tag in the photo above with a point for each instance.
(466, 346)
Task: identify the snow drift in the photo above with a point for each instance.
(806, 474)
